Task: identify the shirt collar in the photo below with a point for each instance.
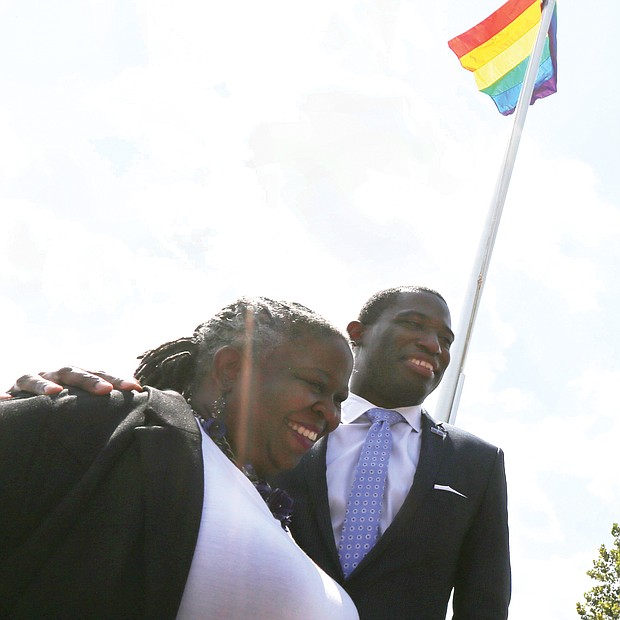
(355, 406)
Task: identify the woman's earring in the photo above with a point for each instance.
(218, 406)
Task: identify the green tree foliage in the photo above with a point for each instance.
(603, 600)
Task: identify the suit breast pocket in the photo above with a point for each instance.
(446, 512)
(440, 489)
(449, 503)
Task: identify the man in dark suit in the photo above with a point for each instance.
(443, 526)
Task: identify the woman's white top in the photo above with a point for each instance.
(245, 565)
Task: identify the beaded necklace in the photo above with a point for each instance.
(278, 501)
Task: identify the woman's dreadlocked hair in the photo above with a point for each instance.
(255, 325)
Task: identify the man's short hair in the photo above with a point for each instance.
(374, 307)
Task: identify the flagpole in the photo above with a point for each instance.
(452, 384)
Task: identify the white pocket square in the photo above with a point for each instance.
(445, 487)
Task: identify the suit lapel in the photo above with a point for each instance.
(171, 458)
(316, 481)
(431, 455)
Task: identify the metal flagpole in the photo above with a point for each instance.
(452, 384)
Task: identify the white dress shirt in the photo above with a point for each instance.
(344, 446)
(245, 565)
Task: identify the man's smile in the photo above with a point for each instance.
(421, 366)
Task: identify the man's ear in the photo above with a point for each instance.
(227, 363)
(356, 330)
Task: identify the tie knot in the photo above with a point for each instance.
(384, 415)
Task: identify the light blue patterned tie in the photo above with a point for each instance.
(360, 529)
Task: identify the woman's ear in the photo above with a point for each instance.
(227, 363)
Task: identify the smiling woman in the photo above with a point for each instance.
(279, 367)
(123, 506)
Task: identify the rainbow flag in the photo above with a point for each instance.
(497, 51)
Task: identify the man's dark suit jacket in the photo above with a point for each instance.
(438, 541)
(119, 476)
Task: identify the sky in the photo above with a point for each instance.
(159, 159)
